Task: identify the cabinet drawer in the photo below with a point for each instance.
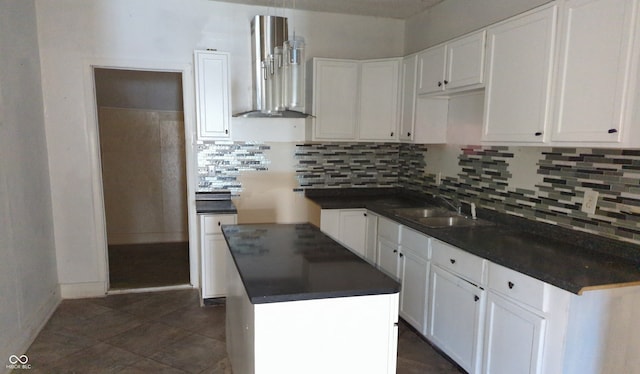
(388, 229)
(517, 286)
(417, 242)
(213, 223)
(460, 262)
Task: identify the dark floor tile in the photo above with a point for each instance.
(146, 366)
(148, 338)
(208, 321)
(162, 303)
(100, 358)
(106, 325)
(52, 344)
(221, 367)
(71, 312)
(192, 354)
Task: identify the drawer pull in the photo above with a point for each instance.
(612, 131)
(219, 223)
(453, 260)
(439, 84)
(476, 298)
(510, 284)
(401, 254)
(395, 251)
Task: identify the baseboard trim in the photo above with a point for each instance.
(83, 290)
(150, 289)
(19, 345)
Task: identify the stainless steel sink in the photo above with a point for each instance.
(452, 221)
(438, 217)
(416, 213)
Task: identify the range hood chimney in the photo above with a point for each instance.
(277, 70)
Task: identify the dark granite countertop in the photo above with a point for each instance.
(215, 202)
(568, 259)
(288, 262)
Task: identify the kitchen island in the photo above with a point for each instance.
(299, 302)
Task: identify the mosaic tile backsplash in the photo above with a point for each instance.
(220, 164)
(347, 165)
(566, 173)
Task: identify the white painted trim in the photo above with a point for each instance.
(94, 147)
(31, 328)
(82, 290)
(150, 289)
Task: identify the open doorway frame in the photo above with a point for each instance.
(93, 135)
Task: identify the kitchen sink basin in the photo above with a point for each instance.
(452, 221)
(438, 217)
(417, 213)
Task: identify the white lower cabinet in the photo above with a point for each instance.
(349, 227)
(213, 249)
(456, 309)
(388, 257)
(414, 254)
(514, 337)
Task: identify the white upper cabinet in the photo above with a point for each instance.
(379, 93)
(518, 77)
(595, 70)
(356, 100)
(408, 98)
(335, 87)
(457, 64)
(213, 106)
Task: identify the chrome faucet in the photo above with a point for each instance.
(457, 208)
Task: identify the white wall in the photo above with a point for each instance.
(76, 33)
(28, 280)
(452, 18)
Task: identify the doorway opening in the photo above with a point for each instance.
(143, 159)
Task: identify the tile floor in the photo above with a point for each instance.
(163, 332)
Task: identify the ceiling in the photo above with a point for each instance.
(401, 9)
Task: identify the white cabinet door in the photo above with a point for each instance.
(330, 223)
(212, 95)
(518, 77)
(213, 254)
(431, 70)
(335, 99)
(455, 317)
(388, 257)
(371, 240)
(214, 259)
(353, 230)
(465, 61)
(595, 68)
(514, 338)
(408, 97)
(379, 93)
(414, 271)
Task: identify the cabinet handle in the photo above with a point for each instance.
(395, 251)
(391, 133)
(453, 260)
(476, 298)
(510, 284)
(408, 134)
(538, 133)
(439, 84)
(219, 223)
(612, 131)
(226, 131)
(401, 255)
(365, 214)
(446, 81)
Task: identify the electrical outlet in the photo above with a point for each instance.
(590, 201)
(439, 178)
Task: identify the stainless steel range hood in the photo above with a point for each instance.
(268, 37)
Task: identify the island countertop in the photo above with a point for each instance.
(290, 262)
